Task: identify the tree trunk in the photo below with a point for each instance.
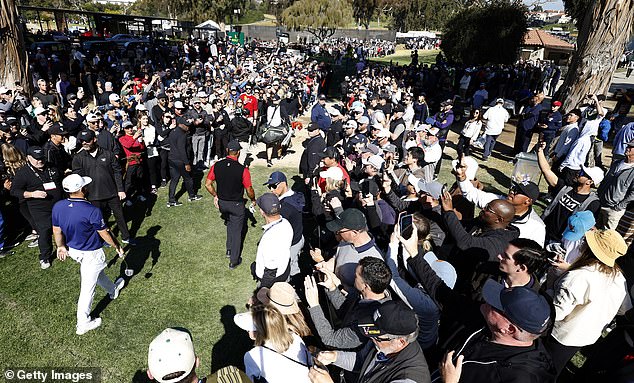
(13, 57)
(602, 36)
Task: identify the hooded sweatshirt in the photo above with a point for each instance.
(292, 207)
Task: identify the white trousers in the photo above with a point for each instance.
(92, 263)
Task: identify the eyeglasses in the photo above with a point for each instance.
(339, 232)
(273, 186)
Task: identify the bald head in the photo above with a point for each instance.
(504, 209)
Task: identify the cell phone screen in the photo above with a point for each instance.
(405, 224)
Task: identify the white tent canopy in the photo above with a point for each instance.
(209, 24)
(413, 34)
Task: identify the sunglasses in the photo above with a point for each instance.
(273, 186)
(490, 210)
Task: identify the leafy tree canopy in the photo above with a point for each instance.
(319, 17)
(488, 34)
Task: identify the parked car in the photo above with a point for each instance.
(91, 47)
(58, 36)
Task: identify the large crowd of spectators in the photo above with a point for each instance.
(398, 273)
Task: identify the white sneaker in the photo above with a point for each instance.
(44, 265)
(118, 285)
(93, 324)
(31, 237)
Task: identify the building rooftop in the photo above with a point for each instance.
(537, 37)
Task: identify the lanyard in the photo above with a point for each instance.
(50, 176)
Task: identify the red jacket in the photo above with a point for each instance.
(133, 149)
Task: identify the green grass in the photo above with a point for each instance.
(189, 284)
(403, 57)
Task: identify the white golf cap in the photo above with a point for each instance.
(75, 182)
(141, 108)
(376, 161)
(413, 180)
(92, 117)
(114, 97)
(244, 321)
(594, 173)
(333, 172)
(4, 90)
(383, 133)
(171, 352)
(39, 110)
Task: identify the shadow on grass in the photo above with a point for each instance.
(230, 349)
(148, 247)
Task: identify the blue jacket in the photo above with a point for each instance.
(604, 129)
(320, 115)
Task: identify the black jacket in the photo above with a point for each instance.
(241, 129)
(57, 157)
(409, 363)
(28, 178)
(310, 159)
(485, 361)
(105, 171)
(180, 144)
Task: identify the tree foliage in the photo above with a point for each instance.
(192, 10)
(604, 30)
(318, 17)
(416, 15)
(363, 10)
(488, 34)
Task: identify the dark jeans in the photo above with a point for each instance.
(598, 153)
(489, 143)
(442, 141)
(113, 204)
(165, 167)
(42, 219)
(220, 143)
(133, 182)
(522, 140)
(153, 166)
(177, 170)
(234, 215)
(464, 146)
(559, 353)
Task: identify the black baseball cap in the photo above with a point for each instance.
(398, 108)
(352, 219)
(36, 152)
(522, 305)
(329, 151)
(312, 127)
(392, 318)
(161, 95)
(57, 129)
(528, 188)
(86, 135)
(234, 145)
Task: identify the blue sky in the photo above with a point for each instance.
(551, 5)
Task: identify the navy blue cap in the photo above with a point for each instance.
(275, 178)
(522, 305)
(269, 203)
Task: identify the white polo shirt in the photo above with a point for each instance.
(274, 248)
